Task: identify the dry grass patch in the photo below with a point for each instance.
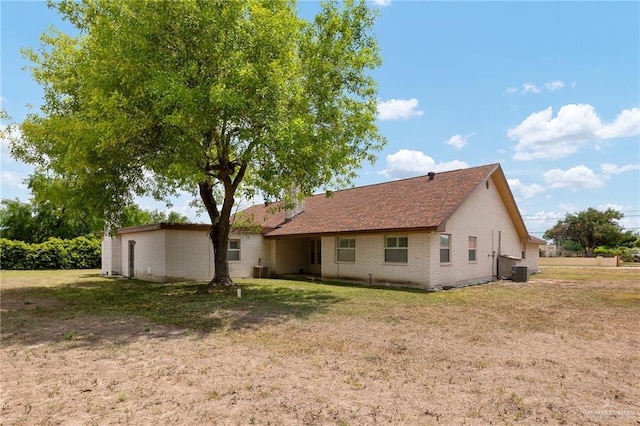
(562, 348)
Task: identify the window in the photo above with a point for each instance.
(524, 251)
(445, 248)
(472, 249)
(396, 249)
(346, 249)
(233, 252)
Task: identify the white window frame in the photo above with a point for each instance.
(473, 249)
(400, 244)
(346, 252)
(231, 249)
(447, 248)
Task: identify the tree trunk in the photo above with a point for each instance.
(220, 239)
(220, 226)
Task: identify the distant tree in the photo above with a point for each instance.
(38, 221)
(571, 246)
(589, 229)
(133, 215)
(53, 193)
(16, 221)
(35, 223)
(217, 98)
(175, 217)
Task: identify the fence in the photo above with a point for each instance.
(629, 264)
(579, 261)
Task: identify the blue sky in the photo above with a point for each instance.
(551, 90)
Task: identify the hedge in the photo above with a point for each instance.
(78, 253)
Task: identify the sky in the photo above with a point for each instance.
(550, 90)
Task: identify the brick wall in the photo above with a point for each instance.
(483, 216)
(253, 249)
(370, 260)
(579, 261)
(111, 255)
(188, 255)
(149, 260)
(290, 256)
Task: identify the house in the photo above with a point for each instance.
(452, 228)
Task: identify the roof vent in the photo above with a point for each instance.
(431, 175)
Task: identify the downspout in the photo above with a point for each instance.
(493, 258)
(499, 252)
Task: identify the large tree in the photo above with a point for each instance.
(221, 98)
(589, 229)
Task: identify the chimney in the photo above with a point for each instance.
(431, 175)
(298, 206)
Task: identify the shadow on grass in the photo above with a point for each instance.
(398, 287)
(124, 309)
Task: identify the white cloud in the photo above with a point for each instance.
(542, 220)
(12, 179)
(618, 207)
(396, 109)
(529, 88)
(4, 140)
(582, 177)
(626, 124)
(567, 207)
(382, 3)
(459, 141)
(609, 169)
(408, 163)
(574, 178)
(522, 191)
(542, 136)
(552, 86)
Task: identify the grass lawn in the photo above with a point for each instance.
(562, 348)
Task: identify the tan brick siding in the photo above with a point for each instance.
(253, 249)
(484, 216)
(149, 260)
(370, 262)
(111, 255)
(188, 255)
(292, 255)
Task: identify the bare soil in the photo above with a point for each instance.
(551, 356)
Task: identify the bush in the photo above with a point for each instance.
(14, 254)
(78, 253)
(626, 254)
(605, 251)
(84, 253)
(49, 255)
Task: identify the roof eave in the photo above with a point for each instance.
(163, 225)
(353, 232)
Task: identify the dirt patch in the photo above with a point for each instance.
(8, 304)
(479, 357)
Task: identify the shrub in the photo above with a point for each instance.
(84, 253)
(78, 253)
(49, 255)
(14, 254)
(604, 251)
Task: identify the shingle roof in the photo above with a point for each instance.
(414, 203)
